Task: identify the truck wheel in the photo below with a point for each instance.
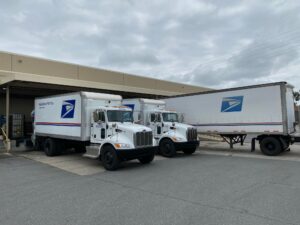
(38, 144)
(50, 147)
(189, 151)
(167, 148)
(270, 146)
(146, 159)
(109, 158)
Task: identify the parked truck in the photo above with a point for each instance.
(266, 112)
(93, 123)
(170, 135)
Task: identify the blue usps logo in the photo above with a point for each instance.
(130, 106)
(68, 108)
(232, 104)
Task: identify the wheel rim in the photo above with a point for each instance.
(167, 148)
(270, 146)
(108, 158)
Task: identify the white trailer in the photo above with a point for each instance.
(169, 134)
(91, 122)
(264, 111)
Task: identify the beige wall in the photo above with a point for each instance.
(37, 66)
(5, 61)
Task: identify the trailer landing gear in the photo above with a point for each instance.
(232, 139)
(270, 145)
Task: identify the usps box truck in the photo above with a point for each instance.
(92, 122)
(169, 134)
(264, 111)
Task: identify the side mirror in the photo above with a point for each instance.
(96, 116)
(181, 118)
(156, 118)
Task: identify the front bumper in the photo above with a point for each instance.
(129, 154)
(179, 146)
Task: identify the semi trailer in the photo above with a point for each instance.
(94, 123)
(264, 112)
(169, 134)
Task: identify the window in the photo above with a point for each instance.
(170, 117)
(152, 117)
(119, 116)
(155, 117)
(101, 116)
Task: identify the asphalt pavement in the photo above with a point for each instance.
(199, 189)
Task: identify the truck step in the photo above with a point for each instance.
(92, 151)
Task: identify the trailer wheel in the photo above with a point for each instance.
(109, 158)
(167, 148)
(270, 146)
(189, 151)
(146, 159)
(50, 147)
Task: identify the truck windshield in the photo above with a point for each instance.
(170, 117)
(119, 116)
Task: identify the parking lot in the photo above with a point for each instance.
(214, 186)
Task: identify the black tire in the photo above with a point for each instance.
(146, 159)
(190, 151)
(38, 144)
(167, 148)
(51, 147)
(109, 158)
(270, 146)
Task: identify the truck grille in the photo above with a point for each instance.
(142, 139)
(191, 134)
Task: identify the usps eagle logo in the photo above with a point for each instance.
(68, 108)
(232, 104)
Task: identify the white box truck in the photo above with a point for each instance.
(169, 134)
(92, 122)
(264, 111)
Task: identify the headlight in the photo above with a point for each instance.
(177, 138)
(121, 145)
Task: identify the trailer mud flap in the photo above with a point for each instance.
(253, 144)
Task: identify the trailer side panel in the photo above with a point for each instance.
(247, 110)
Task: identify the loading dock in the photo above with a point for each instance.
(22, 78)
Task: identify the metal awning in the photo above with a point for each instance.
(26, 83)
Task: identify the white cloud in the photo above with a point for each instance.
(234, 10)
(220, 43)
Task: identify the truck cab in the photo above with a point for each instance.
(169, 133)
(115, 137)
(94, 123)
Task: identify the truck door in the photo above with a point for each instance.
(155, 124)
(98, 132)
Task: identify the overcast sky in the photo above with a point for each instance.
(215, 44)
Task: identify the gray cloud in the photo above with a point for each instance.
(254, 62)
(208, 43)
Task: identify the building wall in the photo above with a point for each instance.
(31, 65)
